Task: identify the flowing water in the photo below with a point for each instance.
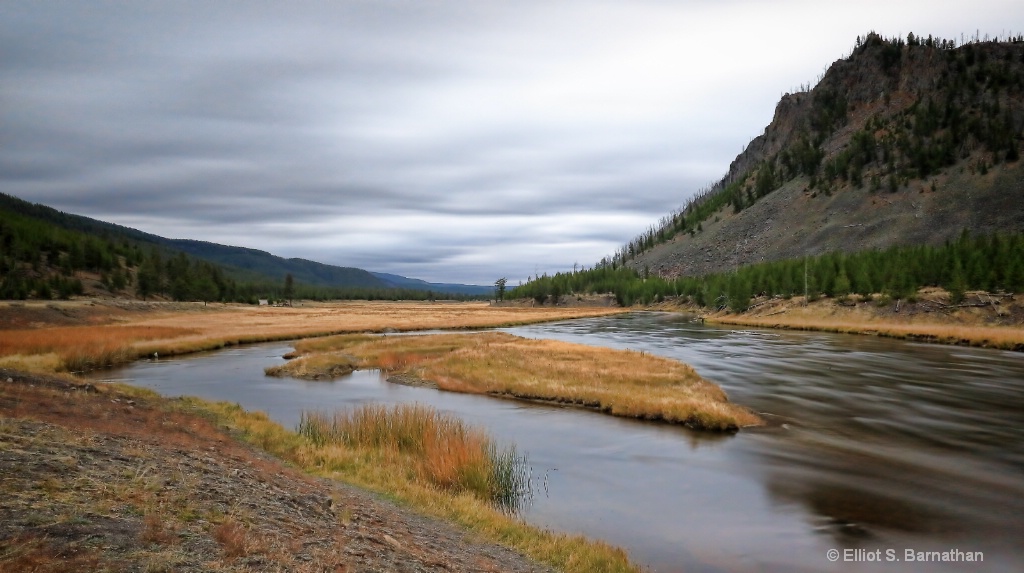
(876, 447)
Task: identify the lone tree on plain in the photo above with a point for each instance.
(205, 290)
(289, 288)
(499, 288)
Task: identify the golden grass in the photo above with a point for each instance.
(963, 326)
(398, 477)
(40, 363)
(618, 382)
(442, 450)
(84, 347)
(237, 324)
(178, 331)
(1005, 338)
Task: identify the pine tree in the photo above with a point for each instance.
(289, 288)
(957, 284)
(499, 288)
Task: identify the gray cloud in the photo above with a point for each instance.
(449, 141)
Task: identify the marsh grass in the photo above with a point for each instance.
(440, 449)
(617, 382)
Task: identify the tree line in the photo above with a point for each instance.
(991, 263)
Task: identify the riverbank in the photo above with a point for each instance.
(981, 319)
(87, 334)
(617, 382)
(107, 477)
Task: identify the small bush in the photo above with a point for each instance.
(232, 538)
(156, 531)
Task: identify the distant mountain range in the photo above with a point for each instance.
(239, 263)
(310, 272)
(398, 281)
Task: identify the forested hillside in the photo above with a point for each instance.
(45, 254)
(48, 254)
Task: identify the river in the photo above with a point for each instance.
(875, 447)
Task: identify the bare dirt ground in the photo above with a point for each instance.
(93, 478)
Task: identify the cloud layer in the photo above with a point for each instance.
(447, 140)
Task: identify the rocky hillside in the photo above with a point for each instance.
(905, 141)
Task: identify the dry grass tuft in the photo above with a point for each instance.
(234, 539)
(156, 530)
(441, 450)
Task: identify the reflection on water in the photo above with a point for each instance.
(879, 444)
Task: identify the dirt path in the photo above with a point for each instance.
(95, 479)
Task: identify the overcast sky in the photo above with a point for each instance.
(455, 141)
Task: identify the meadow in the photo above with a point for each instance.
(113, 335)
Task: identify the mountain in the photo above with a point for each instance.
(397, 281)
(274, 267)
(903, 142)
(29, 231)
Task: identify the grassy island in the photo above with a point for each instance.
(618, 382)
